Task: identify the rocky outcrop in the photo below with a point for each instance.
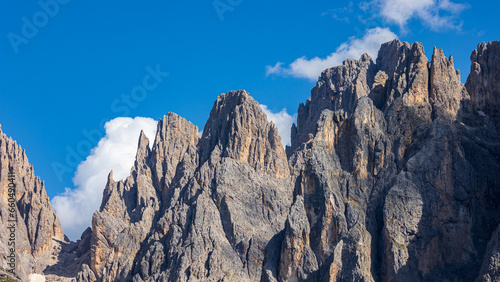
(352, 81)
(490, 269)
(297, 260)
(391, 180)
(29, 208)
(483, 83)
(446, 89)
(202, 209)
(391, 176)
(125, 218)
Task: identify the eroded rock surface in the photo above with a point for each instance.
(397, 171)
(196, 209)
(36, 222)
(392, 175)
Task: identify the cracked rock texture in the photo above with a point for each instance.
(395, 165)
(37, 224)
(392, 175)
(196, 208)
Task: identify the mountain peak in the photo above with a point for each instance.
(37, 223)
(238, 128)
(483, 83)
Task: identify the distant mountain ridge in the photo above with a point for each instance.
(392, 175)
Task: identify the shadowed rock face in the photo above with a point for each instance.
(483, 83)
(196, 208)
(402, 183)
(392, 175)
(37, 224)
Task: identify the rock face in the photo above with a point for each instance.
(397, 166)
(392, 175)
(483, 82)
(196, 209)
(36, 223)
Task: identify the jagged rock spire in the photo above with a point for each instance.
(238, 128)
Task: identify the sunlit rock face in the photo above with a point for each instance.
(394, 166)
(36, 224)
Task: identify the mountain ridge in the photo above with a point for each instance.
(391, 176)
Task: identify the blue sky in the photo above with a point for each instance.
(67, 76)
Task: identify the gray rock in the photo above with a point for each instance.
(37, 222)
(297, 259)
(393, 185)
(196, 210)
(490, 269)
(86, 275)
(483, 83)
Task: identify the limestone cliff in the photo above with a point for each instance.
(396, 169)
(36, 224)
(196, 208)
(392, 175)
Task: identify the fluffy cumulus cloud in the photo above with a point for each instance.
(353, 48)
(438, 15)
(283, 122)
(115, 151)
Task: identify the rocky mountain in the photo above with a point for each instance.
(396, 167)
(392, 175)
(27, 218)
(196, 208)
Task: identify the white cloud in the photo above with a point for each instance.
(276, 69)
(353, 48)
(439, 15)
(283, 122)
(341, 14)
(115, 151)
(452, 7)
